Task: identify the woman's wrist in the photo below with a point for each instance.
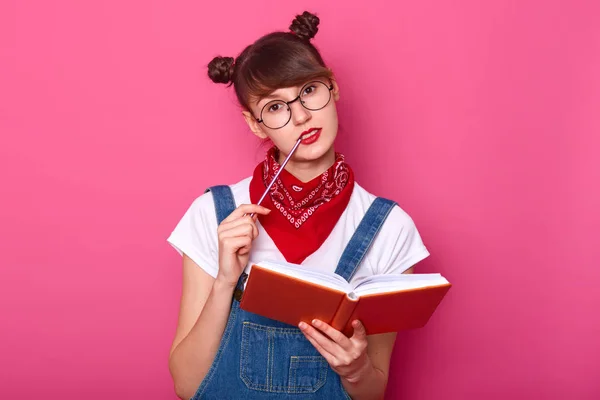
(366, 371)
(222, 283)
(369, 384)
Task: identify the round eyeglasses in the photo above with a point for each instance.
(313, 96)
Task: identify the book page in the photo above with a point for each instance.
(330, 280)
(396, 282)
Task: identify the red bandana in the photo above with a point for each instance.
(304, 213)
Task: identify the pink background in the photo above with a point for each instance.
(483, 115)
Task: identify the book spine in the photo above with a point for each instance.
(343, 313)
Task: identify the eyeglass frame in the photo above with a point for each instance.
(287, 103)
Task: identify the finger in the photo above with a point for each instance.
(246, 219)
(360, 333)
(233, 244)
(244, 250)
(240, 230)
(240, 221)
(330, 346)
(331, 360)
(246, 209)
(327, 355)
(335, 335)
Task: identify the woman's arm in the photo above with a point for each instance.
(372, 385)
(206, 301)
(203, 314)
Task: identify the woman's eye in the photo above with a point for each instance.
(309, 90)
(275, 108)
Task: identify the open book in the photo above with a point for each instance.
(292, 293)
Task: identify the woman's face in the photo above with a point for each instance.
(317, 127)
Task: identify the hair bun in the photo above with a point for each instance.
(220, 69)
(305, 26)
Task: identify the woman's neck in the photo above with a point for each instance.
(306, 171)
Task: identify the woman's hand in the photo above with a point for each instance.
(236, 234)
(347, 356)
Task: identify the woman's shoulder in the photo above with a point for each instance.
(194, 234)
(362, 199)
(399, 244)
(239, 190)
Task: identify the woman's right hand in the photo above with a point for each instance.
(236, 234)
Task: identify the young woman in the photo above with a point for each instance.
(315, 214)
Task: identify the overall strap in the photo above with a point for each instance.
(224, 201)
(362, 239)
(225, 205)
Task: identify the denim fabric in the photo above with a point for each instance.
(260, 358)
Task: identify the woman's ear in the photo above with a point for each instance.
(253, 124)
(336, 88)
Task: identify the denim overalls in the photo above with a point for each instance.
(260, 358)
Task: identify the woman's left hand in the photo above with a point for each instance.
(347, 356)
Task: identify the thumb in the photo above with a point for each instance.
(359, 330)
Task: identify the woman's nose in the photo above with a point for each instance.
(299, 113)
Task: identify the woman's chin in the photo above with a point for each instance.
(315, 152)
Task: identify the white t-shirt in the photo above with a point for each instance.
(396, 247)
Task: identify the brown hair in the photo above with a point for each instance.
(276, 60)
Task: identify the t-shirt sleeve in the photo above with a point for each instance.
(401, 243)
(196, 234)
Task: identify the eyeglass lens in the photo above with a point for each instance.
(313, 96)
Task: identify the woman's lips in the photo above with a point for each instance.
(311, 136)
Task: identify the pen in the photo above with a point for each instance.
(279, 171)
